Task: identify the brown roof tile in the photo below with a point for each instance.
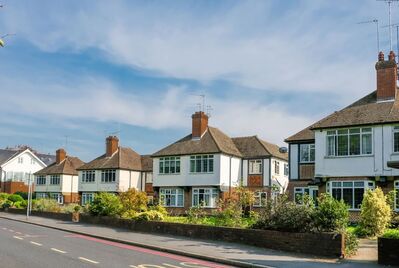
(213, 141)
(303, 135)
(251, 147)
(146, 163)
(68, 166)
(124, 158)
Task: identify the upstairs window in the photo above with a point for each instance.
(108, 175)
(169, 165)
(201, 163)
(88, 176)
(41, 180)
(55, 179)
(32, 161)
(20, 160)
(307, 153)
(286, 169)
(255, 167)
(277, 167)
(396, 139)
(346, 142)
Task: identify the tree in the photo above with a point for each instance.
(133, 200)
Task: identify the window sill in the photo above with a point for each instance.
(348, 156)
(200, 173)
(163, 174)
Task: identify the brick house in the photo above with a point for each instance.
(351, 150)
(17, 166)
(118, 170)
(59, 180)
(207, 165)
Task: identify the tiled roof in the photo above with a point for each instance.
(303, 135)
(251, 147)
(213, 141)
(68, 166)
(146, 163)
(7, 154)
(124, 158)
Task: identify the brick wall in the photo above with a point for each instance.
(388, 251)
(12, 187)
(71, 198)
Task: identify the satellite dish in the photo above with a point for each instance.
(283, 150)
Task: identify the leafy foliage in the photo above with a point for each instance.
(331, 215)
(70, 208)
(133, 200)
(229, 213)
(49, 205)
(150, 215)
(105, 204)
(21, 204)
(376, 213)
(391, 233)
(195, 214)
(15, 198)
(351, 243)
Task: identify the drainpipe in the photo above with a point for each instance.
(230, 177)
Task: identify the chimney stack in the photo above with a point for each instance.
(387, 76)
(60, 155)
(200, 124)
(112, 145)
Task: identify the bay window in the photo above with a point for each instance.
(260, 199)
(41, 180)
(255, 167)
(169, 165)
(41, 195)
(307, 153)
(55, 179)
(300, 192)
(172, 197)
(205, 197)
(346, 142)
(58, 197)
(108, 175)
(88, 176)
(350, 191)
(201, 164)
(87, 198)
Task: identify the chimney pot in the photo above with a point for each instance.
(392, 56)
(111, 145)
(381, 56)
(386, 77)
(199, 124)
(60, 155)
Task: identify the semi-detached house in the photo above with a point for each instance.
(116, 171)
(59, 180)
(207, 165)
(351, 150)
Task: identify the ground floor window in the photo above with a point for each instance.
(58, 197)
(87, 198)
(300, 192)
(396, 195)
(350, 191)
(205, 197)
(260, 199)
(172, 197)
(41, 195)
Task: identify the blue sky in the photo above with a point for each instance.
(85, 69)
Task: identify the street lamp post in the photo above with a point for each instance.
(29, 207)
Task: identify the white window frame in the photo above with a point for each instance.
(312, 191)
(58, 197)
(41, 195)
(255, 166)
(88, 176)
(32, 161)
(167, 163)
(206, 163)
(276, 167)
(108, 176)
(286, 169)
(87, 198)
(172, 194)
(20, 160)
(260, 199)
(396, 189)
(41, 180)
(334, 134)
(310, 146)
(212, 193)
(55, 179)
(367, 185)
(395, 130)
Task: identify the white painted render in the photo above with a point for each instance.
(245, 172)
(15, 171)
(294, 168)
(68, 184)
(372, 165)
(124, 179)
(279, 178)
(230, 171)
(266, 171)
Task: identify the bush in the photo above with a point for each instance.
(195, 214)
(351, 243)
(48, 205)
(161, 209)
(375, 215)
(70, 208)
(3, 198)
(21, 204)
(6, 204)
(24, 195)
(133, 200)
(105, 204)
(331, 215)
(151, 215)
(15, 198)
(391, 233)
(229, 214)
(284, 215)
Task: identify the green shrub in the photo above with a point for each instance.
(151, 215)
(6, 204)
(105, 204)
(15, 198)
(161, 209)
(351, 243)
(284, 215)
(195, 214)
(229, 214)
(331, 215)
(133, 200)
(21, 204)
(48, 205)
(375, 215)
(70, 208)
(395, 221)
(391, 233)
(24, 195)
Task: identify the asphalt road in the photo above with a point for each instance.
(25, 245)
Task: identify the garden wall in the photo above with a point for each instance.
(322, 244)
(388, 251)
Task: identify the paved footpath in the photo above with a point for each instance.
(227, 253)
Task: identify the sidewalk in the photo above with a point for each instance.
(227, 253)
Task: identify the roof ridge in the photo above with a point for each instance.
(262, 144)
(213, 137)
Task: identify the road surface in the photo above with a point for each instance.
(25, 245)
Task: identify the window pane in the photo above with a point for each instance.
(304, 152)
(312, 153)
(366, 144)
(347, 194)
(342, 145)
(336, 193)
(396, 142)
(331, 145)
(354, 141)
(359, 192)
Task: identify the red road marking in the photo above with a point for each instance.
(150, 251)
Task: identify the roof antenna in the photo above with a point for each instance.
(389, 2)
(378, 31)
(66, 142)
(208, 110)
(201, 106)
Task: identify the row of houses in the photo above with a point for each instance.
(344, 154)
